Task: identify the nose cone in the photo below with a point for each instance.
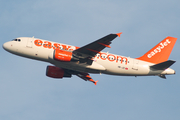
(6, 46)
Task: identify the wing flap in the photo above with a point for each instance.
(86, 77)
(82, 75)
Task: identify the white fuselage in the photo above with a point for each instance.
(102, 63)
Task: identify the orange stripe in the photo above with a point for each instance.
(105, 45)
(93, 50)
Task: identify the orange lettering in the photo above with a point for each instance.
(65, 47)
(47, 45)
(38, 42)
(102, 57)
(108, 57)
(56, 46)
(122, 58)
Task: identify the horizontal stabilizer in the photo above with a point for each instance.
(163, 65)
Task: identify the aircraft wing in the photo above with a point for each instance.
(85, 53)
(86, 77)
(90, 50)
(82, 75)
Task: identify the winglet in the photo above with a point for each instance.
(95, 82)
(119, 34)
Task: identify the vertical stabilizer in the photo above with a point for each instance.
(160, 52)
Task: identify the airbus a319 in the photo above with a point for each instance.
(70, 60)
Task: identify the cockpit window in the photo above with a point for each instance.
(16, 40)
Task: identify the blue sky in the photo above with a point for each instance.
(27, 94)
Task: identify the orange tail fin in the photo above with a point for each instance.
(160, 52)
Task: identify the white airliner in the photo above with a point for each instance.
(71, 60)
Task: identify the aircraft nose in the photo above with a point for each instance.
(5, 46)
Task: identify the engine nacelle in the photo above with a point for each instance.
(62, 55)
(56, 72)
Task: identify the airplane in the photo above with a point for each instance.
(68, 60)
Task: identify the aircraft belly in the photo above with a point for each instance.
(81, 67)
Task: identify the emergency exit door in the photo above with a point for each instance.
(29, 42)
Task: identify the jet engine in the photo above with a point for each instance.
(62, 55)
(56, 72)
(67, 56)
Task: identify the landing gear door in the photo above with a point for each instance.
(29, 42)
(135, 64)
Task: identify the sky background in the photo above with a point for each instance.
(27, 94)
